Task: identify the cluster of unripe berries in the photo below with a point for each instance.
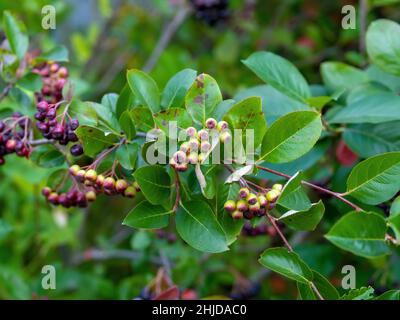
(14, 137)
(250, 205)
(196, 149)
(54, 78)
(211, 11)
(71, 198)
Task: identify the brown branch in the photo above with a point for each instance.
(332, 193)
(166, 37)
(278, 230)
(178, 191)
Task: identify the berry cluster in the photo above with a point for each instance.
(196, 149)
(250, 205)
(54, 78)
(259, 230)
(211, 11)
(93, 184)
(14, 136)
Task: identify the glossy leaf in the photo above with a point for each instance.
(306, 219)
(325, 288)
(376, 179)
(127, 125)
(338, 75)
(287, 264)
(94, 140)
(279, 73)
(361, 233)
(293, 197)
(145, 89)
(16, 34)
(291, 136)
(147, 216)
(198, 226)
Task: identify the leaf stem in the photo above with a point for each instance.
(315, 289)
(178, 191)
(332, 193)
(278, 230)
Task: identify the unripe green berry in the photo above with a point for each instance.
(74, 169)
(191, 132)
(90, 196)
(211, 123)
(121, 185)
(91, 175)
(243, 193)
(136, 186)
(80, 175)
(251, 198)
(205, 146)
(230, 205)
(193, 158)
(262, 201)
(225, 137)
(100, 180)
(272, 195)
(203, 135)
(184, 147)
(242, 205)
(237, 214)
(109, 183)
(222, 125)
(277, 187)
(130, 192)
(254, 207)
(194, 144)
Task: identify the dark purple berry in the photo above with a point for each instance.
(76, 150)
(58, 131)
(40, 116)
(74, 124)
(51, 114)
(42, 106)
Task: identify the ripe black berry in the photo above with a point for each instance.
(76, 150)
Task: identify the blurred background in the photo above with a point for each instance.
(95, 257)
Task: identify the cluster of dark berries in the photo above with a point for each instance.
(54, 78)
(250, 205)
(196, 149)
(259, 230)
(71, 198)
(14, 136)
(51, 128)
(211, 11)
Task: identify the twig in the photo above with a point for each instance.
(178, 191)
(332, 193)
(314, 288)
(166, 37)
(41, 141)
(6, 91)
(278, 230)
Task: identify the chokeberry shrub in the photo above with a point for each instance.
(114, 147)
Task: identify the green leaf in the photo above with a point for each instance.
(176, 89)
(15, 32)
(383, 45)
(127, 155)
(198, 226)
(5, 229)
(291, 136)
(286, 263)
(125, 100)
(361, 233)
(127, 125)
(31, 82)
(142, 118)
(306, 219)
(395, 207)
(94, 140)
(47, 156)
(206, 176)
(154, 182)
(368, 140)
(147, 216)
(325, 288)
(319, 102)
(380, 107)
(248, 115)
(338, 75)
(293, 197)
(202, 98)
(231, 227)
(58, 53)
(56, 178)
(389, 295)
(279, 73)
(363, 293)
(390, 81)
(164, 118)
(84, 112)
(394, 218)
(376, 179)
(145, 89)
